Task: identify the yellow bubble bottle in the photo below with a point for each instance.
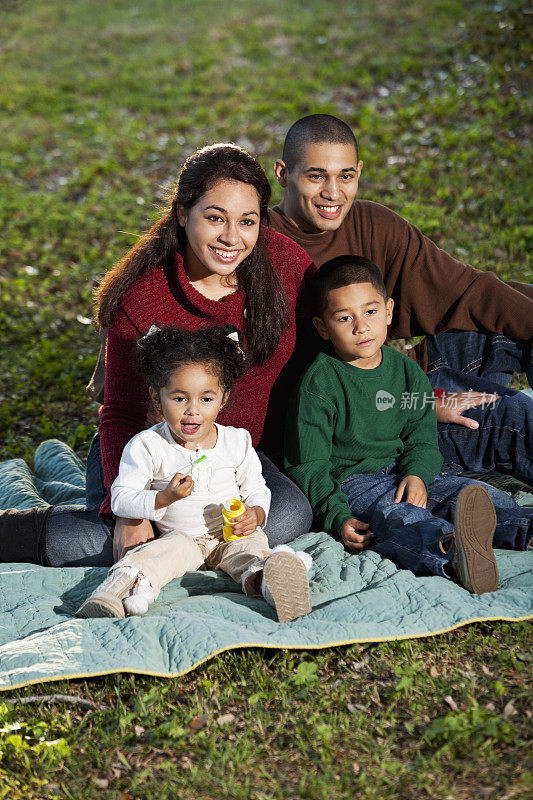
(233, 508)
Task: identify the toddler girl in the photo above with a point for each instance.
(179, 474)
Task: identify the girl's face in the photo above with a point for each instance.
(190, 403)
(221, 228)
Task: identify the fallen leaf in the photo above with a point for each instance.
(225, 719)
(101, 783)
(375, 696)
(433, 671)
(451, 702)
(355, 767)
(198, 723)
(509, 710)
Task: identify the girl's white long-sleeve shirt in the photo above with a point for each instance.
(150, 460)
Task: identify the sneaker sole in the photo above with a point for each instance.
(475, 523)
(288, 582)
(101, 605)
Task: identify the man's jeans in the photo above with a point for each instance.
(459, 361)
(410, 536)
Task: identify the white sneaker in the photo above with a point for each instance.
(106, 600)
(285, 583)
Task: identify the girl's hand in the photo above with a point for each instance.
(355, 534)
(249, 521)
(414, 490)
(179, 487)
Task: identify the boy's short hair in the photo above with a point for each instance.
(316, 129)
(343, 271)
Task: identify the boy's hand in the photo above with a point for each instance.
(412, 489)
(249, 521)
(179, 487)
(355, 534)
(450, 407)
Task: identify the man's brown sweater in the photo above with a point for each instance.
(432, 291)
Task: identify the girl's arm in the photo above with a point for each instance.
(254, 491)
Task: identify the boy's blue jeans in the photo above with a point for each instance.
(410, 536)
(459, 361)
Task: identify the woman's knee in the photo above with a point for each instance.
(77, 537)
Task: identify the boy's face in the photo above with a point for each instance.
(355, 320)
(321, 188)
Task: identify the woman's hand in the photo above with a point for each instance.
(179, 487)
(128, 534)
(355, 534)
(450, 406)
(247, 523)
(413, 490)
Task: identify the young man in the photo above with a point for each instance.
(485, 325)
(361, 442)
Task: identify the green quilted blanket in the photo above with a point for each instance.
(356, 598)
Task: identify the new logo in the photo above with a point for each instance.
(384, 400)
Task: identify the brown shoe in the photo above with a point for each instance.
(475, 523)
(286, 585)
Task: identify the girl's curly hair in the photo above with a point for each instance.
(165, 349)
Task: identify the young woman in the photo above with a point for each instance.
(208, 261)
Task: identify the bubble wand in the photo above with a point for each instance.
(194, 464)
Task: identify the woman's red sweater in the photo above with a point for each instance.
(166, 297)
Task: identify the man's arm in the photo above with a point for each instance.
(434, 292)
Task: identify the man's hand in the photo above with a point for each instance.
(179, 487)
(248, 522)
(450, 407)
(354, 536)
(128, 534)
(412, 489)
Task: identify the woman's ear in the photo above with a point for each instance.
(182, 215)
(225, 399)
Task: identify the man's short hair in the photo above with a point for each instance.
(316, 129)
(343, 271)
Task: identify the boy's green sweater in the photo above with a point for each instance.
(344, 420)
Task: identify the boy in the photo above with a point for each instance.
(361, 442)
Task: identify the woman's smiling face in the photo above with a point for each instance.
(221, 228)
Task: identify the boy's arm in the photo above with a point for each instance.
(421, 455)
(308, 442)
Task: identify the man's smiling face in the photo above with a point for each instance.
(321, 186)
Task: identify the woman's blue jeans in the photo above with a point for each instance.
(410, 536)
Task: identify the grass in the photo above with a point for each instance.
(101, 102)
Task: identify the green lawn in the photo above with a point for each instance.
(100, 103)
